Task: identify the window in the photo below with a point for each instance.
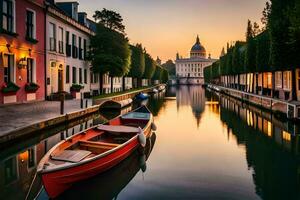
(74, 46)
(91, 77)
(52, 36)
(85, 76)
(299, 81)
(287, 80)
(31, 158)
(84, 49)
(68, 74)
(10, 170)
(74, 75)
(80, 49)
(30, 24)
(60, 40)
(7, 15)
(8, 64)
(80, 75)
(30, 70)
(68, 46)
(278, 79)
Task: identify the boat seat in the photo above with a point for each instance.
(118, 129)
(73, 156)
(137, 116)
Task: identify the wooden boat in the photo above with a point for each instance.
(108, 185)
(94, 151)
(116, 104)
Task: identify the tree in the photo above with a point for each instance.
(137, 64)
(265, 18)
(250, 55)
(170, 66)
(149, 66)
(158, 73)
(109, 53)
(165, 76)
(282, 52)
(110, 19)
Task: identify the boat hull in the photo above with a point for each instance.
(58, 181)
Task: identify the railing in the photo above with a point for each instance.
(292, 109)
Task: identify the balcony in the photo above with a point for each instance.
(68, 50)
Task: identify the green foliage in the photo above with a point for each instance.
(110, 19)
(170, 66)
(279, 23)
(238, 57)
(250, 54)
(149, 66)
(76, 87)
(294, 33)
(137, 61)
(165, 76)
(263, 52)
(31, 87)
(158, 73)
(10, 88)
(110, 52)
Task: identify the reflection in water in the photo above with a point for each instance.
(271, 151)
(209, 146)
(108, 185)
(191, 96)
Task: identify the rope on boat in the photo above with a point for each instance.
(31, 185)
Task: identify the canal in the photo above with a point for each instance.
(207, 146)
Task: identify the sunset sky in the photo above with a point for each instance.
(165, 27)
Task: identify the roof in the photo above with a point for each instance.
(198, 46)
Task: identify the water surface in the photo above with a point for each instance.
(207, 146)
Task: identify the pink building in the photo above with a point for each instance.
(22, 51)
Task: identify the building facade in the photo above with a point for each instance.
(67, 40)
(22, 55)
(189, 71)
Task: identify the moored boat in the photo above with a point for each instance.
(142, 96)
(94, 151)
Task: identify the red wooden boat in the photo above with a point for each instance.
(94, 151)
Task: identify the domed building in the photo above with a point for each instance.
(189, 71)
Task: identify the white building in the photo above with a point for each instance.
(189, 71)
(67, 40)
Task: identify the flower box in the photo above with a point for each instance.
(76, 88)
(9, 89)
(31, 87)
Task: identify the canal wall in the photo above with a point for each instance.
(35, 128)
(290, 110)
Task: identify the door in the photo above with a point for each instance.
(60, 80)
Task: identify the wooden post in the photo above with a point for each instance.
(62, 103)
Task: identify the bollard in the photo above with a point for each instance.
(62, 103)
(81, 101)
(86, 103)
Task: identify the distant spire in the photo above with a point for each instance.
(197, 40)
(177, 56)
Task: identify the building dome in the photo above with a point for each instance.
(198, 51)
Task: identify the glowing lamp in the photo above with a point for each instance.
(22, 63)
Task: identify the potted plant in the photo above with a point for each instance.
(9, 88)
(31, 87)
(75, 89)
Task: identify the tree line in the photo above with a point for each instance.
(275, 47)
(110, 53)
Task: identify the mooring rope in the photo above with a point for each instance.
(31, 185)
